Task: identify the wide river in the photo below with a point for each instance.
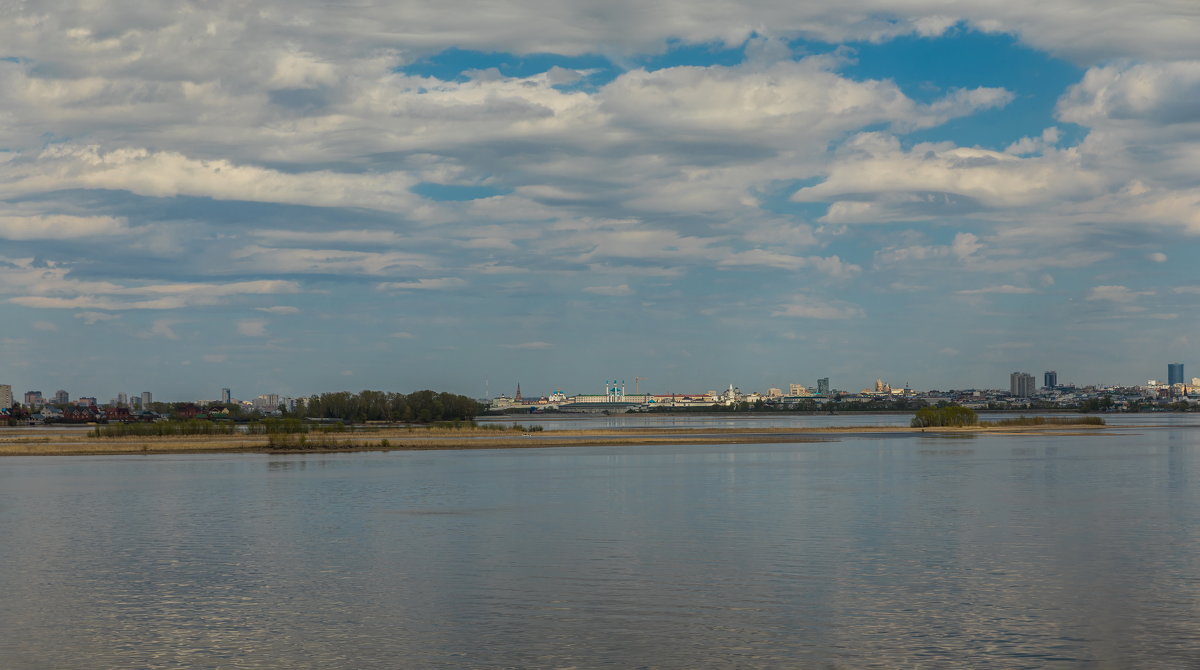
(867, 551)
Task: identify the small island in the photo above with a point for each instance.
(294, 435)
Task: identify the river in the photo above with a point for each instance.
(990, 551)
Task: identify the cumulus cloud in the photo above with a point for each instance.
(179, 158)
(874, 179)
(1165, 93)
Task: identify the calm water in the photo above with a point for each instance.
(783, 420)
(984, 552)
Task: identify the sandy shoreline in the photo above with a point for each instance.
(75, 442)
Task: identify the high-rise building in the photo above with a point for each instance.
(1021, 384)
(34, 399)
(823, 386)
(797, 390)
(226, 396)
(122, 399)
(5, 395)
(146, 400)
(1174, 373)
(1050, 379)
(61, 397)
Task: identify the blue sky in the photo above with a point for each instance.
(401, 197)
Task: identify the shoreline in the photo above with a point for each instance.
(73, 443)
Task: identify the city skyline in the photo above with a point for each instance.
(317, 198)
(1020, 384)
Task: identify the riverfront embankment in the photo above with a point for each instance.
(74, 441)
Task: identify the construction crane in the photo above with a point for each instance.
(636, 380)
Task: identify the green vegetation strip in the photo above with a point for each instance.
(956, 416)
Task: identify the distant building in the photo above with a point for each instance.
(86, 402)
(34, 399)
(6, 399)
(267, 402)
(823, 386)
(122, 399)
(1174, 373)
(797, 390)
(1021, 384)
(774, 393)
(61, 397)
(146, 399)
(226, 396)
(1050, 379)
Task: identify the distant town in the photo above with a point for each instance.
(1023, 393)
(37, 407)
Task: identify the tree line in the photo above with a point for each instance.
(418, 407)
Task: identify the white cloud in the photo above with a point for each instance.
(45, 326)
(1120, 294)
(328, 261)
(810, 307)
(438, 284)
(831, 266)
(1007, 289)
(215, 358)
(164, 328)
(51, 286)
(358, 237)
(59, 227)
(1165, 93)
(169, 173)
(621, 290)
(403, 335)
(252, 327)
(874, 180)
(91, 318)
(116, 121)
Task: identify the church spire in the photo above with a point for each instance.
(517, 397)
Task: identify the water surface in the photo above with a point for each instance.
(989, 551)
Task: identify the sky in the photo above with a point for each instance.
(299, 197)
